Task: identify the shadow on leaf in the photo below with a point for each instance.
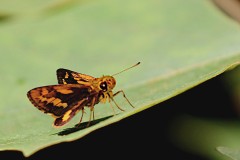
(5, 17)
(80, 127)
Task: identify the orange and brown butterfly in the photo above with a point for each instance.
(74, 92)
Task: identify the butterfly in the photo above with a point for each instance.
(74, 92)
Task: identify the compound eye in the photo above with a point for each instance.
(103, 86)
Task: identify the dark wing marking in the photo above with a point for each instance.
(66, 76)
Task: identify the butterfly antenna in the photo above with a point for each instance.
(127, 69)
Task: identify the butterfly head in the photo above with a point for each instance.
(107, 83)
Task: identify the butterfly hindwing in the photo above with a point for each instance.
(66, 76)
(60, 121)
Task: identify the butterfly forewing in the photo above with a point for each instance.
(58, 99)
(66, 76)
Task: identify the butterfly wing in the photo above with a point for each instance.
(60, 121)
(61, 101)
(66, 76)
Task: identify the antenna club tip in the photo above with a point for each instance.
(127, 69)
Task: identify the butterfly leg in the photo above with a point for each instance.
(121, 91)
(91, 111)
(112, 107)
(116, 104)
(77, 125)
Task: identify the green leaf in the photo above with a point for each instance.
(24, 7)
(232, 153)
(180, 44)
